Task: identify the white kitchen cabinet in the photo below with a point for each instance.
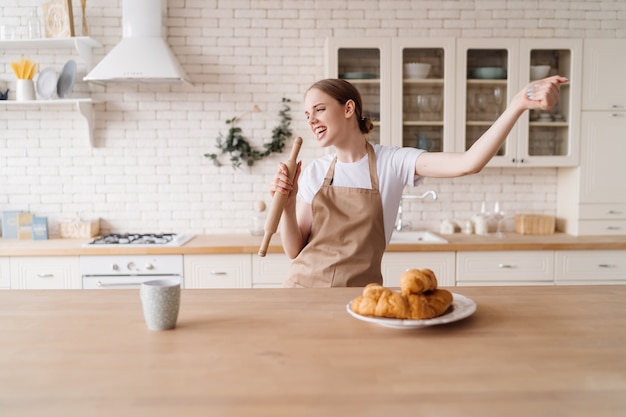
(270, 271)
(45, 272)
(590, 267)
(592, 197)
(366, 63)
(505, 268)
(217, 271)
(422, 109)
(603, 88)
(395, 263)
(551, 140)
(5, 270)
(83, 45)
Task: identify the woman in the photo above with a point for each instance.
(338, 231)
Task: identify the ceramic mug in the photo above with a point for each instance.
(160, 300)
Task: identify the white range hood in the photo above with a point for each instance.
(143, 55)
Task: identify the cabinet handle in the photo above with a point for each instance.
(218, 273)
(613, 228)
(613, 212)
(45, 275)
(606, 266)
(616, 114)
(506, 266)
(617, 106)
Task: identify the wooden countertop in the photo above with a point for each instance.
(243, 243)
(526, 351)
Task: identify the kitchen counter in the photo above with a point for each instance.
(526, 351)
(244, 243)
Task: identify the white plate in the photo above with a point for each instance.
(66, 79)
(46, 83)
(461, 308)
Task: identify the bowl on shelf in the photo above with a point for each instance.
(488, 73)
(538, 72)
(416, 70)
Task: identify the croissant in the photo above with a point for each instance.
(419, 298)
(417, 281)
(429, 305)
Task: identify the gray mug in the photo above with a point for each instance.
(161, 301)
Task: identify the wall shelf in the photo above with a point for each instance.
(83, 105)
(82, 44)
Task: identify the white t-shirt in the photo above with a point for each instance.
(395, 167)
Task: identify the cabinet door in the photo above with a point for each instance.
(366, 63)
(270, 271)
(551, 138)
(590, 267)
(395, 263)
(487, 77)
(603, 149)
(604, 74)
(505, 268)
(217, 271)
(54, 272)
(5, 268)
(423, 103)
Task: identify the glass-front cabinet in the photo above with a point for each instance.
(366, 63)
(491, 72)
(442, 94)
(423, 93)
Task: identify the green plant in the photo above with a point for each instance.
(240, 150)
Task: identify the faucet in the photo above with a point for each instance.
(411, 197)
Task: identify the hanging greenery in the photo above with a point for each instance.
(240, 150)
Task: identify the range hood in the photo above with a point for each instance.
(143, 55)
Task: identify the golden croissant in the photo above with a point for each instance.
(418, 299)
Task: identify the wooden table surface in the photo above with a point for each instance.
(527, 351)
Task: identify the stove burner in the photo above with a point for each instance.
(135, 239)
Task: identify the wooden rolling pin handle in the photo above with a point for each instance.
(279, 199)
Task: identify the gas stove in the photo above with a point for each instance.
(141, 239)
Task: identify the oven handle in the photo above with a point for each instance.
(118, 284)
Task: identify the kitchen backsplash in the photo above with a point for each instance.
(147, 171)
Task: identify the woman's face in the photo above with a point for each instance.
(327, 118)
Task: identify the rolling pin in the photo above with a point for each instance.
(278, 201)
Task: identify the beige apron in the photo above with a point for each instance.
(347, 238)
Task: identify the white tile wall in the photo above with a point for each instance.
(147, 171)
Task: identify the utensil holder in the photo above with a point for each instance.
(25, 90)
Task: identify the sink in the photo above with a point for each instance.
(416, 236)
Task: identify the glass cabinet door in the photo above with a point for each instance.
(422, 79)
(365, 63)
(487, 71)
(551, 138)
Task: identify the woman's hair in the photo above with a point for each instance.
(342, 91)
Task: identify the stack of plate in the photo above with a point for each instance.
(47, 81)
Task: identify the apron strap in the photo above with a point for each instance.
(371, 160)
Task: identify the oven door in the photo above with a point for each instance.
(108, 282)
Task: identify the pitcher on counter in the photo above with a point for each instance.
(347, 201)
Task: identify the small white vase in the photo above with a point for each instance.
(25, 90)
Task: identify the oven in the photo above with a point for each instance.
(129, 271)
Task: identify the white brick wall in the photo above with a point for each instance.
(147, 171)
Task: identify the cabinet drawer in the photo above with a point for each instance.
(5, 268)
(395, 263)
(590, 267)
(505, 267)
(217, 271)
(602, 211)
(602, 227)
(270, 271)
(42, 273)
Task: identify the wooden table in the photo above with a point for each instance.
(527, 351)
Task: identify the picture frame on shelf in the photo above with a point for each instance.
(58, 18)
